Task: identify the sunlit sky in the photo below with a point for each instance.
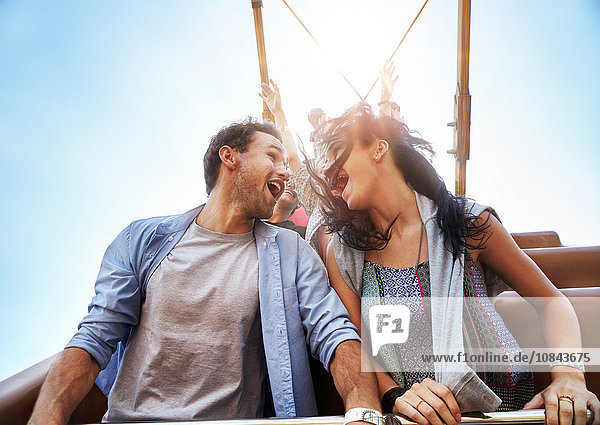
(106, 109)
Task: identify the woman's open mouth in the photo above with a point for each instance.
(340, 184)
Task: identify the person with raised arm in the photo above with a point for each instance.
(388, 78)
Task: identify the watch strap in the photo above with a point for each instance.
(389, 398)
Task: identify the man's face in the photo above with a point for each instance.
(261, 176)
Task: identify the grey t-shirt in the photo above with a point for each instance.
(197, 351)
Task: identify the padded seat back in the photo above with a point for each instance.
(521, 320)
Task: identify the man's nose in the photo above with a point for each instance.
(283, 173)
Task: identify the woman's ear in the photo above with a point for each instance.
(381, 148)
(228, 157)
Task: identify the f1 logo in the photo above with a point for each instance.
(389, 324)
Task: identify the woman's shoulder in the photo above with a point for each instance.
(475, 208)
(350, 262)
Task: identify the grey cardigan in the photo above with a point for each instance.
(471, 393)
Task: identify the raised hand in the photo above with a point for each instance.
(386, 75)
(271, 96)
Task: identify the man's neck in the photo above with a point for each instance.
(221, 216)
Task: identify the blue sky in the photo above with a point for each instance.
(106, 109)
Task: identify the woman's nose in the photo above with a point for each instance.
(327, 166)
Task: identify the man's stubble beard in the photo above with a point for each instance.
(246, 195)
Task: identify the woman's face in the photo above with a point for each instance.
(356, 180)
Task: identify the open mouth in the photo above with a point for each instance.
(276, 188)
(290, 192)
(340, 184)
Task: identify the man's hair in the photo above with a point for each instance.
(237, 136)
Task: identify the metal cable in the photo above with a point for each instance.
(397, 47)
(323, 50)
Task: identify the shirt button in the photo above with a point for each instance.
(170, 238)
(265, 243)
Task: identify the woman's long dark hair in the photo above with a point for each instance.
(360, 125)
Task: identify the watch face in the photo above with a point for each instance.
(366, 415)
(370, 415)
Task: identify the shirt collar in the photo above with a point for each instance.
(181, 222)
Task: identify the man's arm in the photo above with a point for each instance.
(114, 308)
(331, 335)
(357, 389)
(70, 378)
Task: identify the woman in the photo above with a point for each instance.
(400, 236)
(300, 180)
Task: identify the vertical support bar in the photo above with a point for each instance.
(462, 99)
(262, 53)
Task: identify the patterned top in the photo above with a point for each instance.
(483, 329)
(300, 182)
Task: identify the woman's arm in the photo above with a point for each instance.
(388, 80)
(559, 324)
(424, 403)
(272, 98)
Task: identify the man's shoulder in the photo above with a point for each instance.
(164, 223)
(143, 224)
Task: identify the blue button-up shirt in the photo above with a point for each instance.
(297, 305)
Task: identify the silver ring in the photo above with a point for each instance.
(566, 396)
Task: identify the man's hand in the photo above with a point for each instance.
(429, 402)
(70, 378)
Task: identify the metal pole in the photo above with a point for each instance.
(533, 416)
(462, 99)
(262, 53)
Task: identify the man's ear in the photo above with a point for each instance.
(381, 148)
(228, 157)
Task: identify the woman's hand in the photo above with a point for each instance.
(388, 80)
(271, 97)
(429, 402)
(561, 410)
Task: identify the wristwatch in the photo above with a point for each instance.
(367, 415)
(389, 399)
(576, 365)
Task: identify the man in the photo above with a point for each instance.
(286, 205)
(209, 304)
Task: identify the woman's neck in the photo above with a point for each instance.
(400, 201)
